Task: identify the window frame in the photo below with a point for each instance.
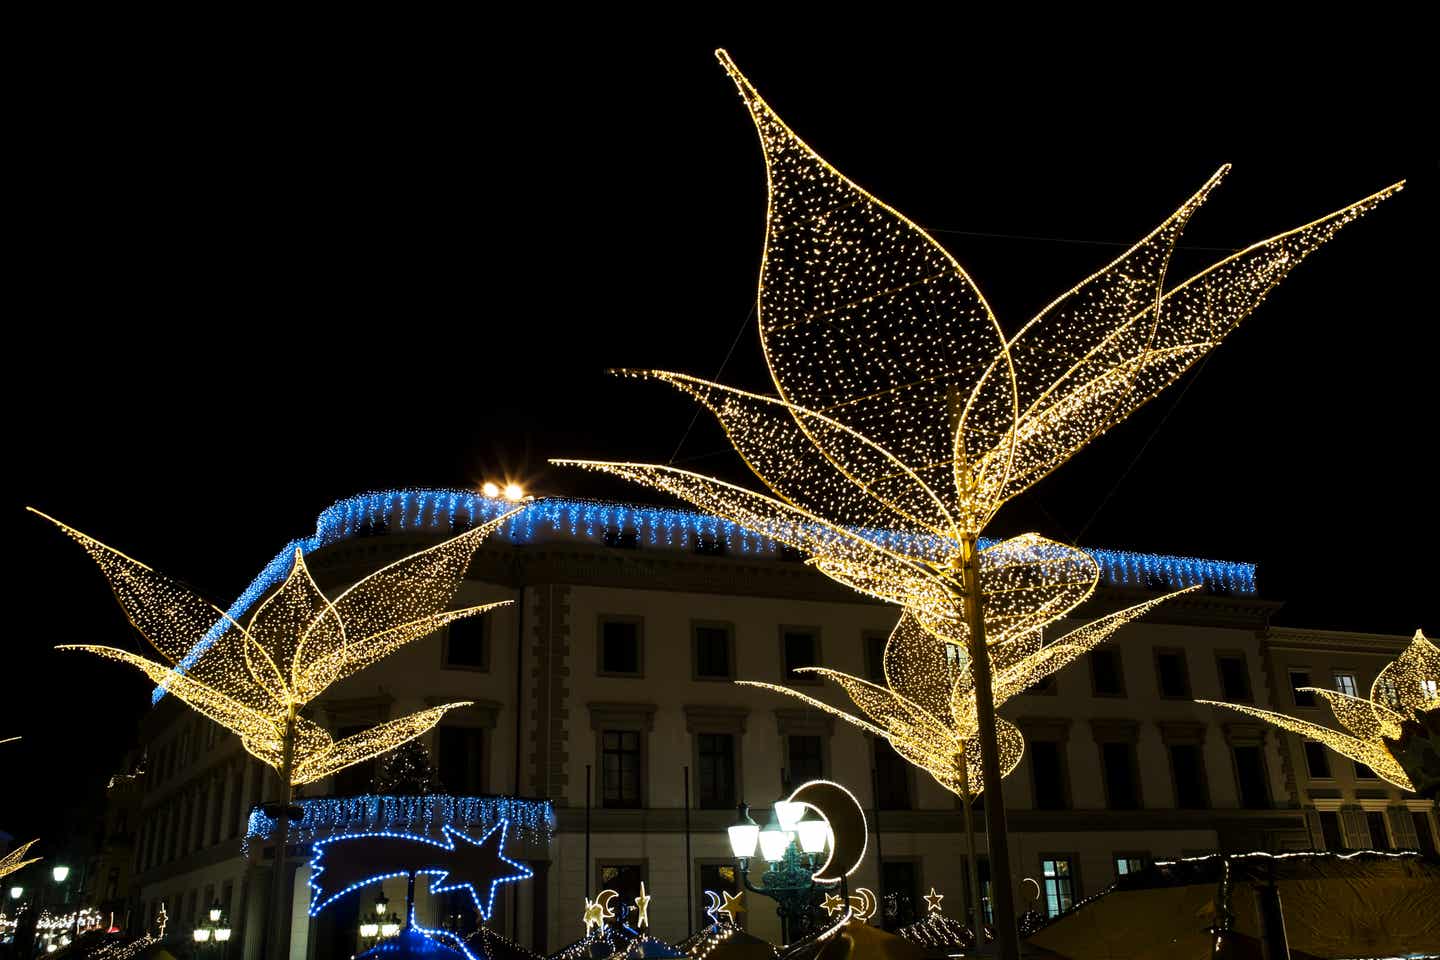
(1186, 691)
(730, 653)
(1295, 694)
(1220, 657)
(1066, 799)
(805, 679)
(639, 623)
(1126, 855)
(1119, 673)
(1351, 675)
(1305, 745)
(481, 622)
(1072, 877)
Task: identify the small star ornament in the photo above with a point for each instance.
(734, 903)
(932, 901)
(642, 907)
(594, 915)
(833, 904)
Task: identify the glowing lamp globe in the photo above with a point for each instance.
(60, 873)
(382, 905)
(369, 929)
(814, 833)
(222, 934)
(16, 893)
(774, 839)
(215, 912)
(202, 934)
(744, 833)
(789, 813)
(390, 927)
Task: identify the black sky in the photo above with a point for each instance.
(255, 281)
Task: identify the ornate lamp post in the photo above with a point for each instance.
(789, 844)
(215, 930)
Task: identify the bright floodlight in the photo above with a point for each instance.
(744, 833)
(490, 489)
(60, 873)
(514, 492)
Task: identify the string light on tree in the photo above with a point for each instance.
(903, 408)
(1406, 687)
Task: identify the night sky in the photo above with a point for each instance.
(254, 285)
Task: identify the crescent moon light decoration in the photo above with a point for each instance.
(849, 832)
(713, 907)
(866, 906)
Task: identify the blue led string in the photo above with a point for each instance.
(534, 820)
(438, 510)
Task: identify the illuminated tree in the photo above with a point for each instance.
(255, 679)
(905, 418)
(1406, 689)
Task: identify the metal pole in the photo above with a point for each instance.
(972, 902)
(279, 939)
(689, 867)
(879, 854)
(587, 831)
(519, 715)
(997, 834)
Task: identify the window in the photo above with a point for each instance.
(1187, 764)
(467, 643)
(1330, 830)
(1345, 683)
(356, 779)
(1234, 677)
(1317, 760)
(1424, 835)
(1298, 679)
(620, 768)
(1128, 863)
(709, 546)
(461, 759)
(1059, 889)
(622, 539)
(713, 651)
(899, 893)
(620, 639)
(892, 776)
(1122, 786)
(800, 647)
(806, 758)
(1250, 773)
(717, 770)
(875, 657)
(1106, 676)
(1430, 689)
(623, 878)
(1172, 674)
(1379, 836)
(1363, 772)
(1047, 770)
(718, 877)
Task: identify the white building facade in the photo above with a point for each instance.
(611, 672)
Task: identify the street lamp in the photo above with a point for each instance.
(215, 930)
(792, 839)
(16, 893)
(60, 873)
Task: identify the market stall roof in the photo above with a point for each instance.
(410, 942)
(1368, 903)
(860, 941)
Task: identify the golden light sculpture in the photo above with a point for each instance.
(255, 679)
(15, 859)
(1405, 687)
(905, 417)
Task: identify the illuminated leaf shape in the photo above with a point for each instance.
(854, 483)
(866, 319)
(1364, 718)
(253, 680)
(921, 668)
(1373, 755)
(15, 860)
(370, 743)
(1408, 684)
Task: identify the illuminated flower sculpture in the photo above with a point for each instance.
(255, 679)
(905, 418)
(1406, 688)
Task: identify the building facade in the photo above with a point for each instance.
(606, 689)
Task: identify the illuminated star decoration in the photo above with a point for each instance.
(593, 916)
(1408, 686)
(161, 919)
(932, 901)
(734, 903)
(833, 904)
(255, 679)
(14, 860)
(904, 419)
(642, 906)
(346, 862)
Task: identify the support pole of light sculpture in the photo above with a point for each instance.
(279, 939)
(972, 902)
(996, 834)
